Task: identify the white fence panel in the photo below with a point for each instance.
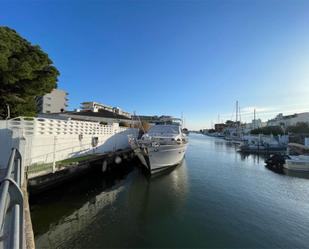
(51, 140)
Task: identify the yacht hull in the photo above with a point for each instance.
(157, 159)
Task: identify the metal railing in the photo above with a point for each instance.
(11, 204)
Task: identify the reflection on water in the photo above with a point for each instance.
(218, 198)
(258, 158)
(71, 226)
(71, 216)
(299, 174)
(61, 215)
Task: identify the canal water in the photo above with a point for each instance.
(217, 198)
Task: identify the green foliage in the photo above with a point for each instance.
(25, 72)
(275, 130)
(299, 128)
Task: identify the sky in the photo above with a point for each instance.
(173, 57)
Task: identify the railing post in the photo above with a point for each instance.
(11, 200)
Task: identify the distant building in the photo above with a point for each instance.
(255, 124)
(53, 102)
(93, 111)
(95, 107)
(220, 127)
(289, 120)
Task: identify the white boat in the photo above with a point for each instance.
(297, 163)
(162, 147)
(262, 144)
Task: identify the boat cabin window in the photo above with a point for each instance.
(159, 130)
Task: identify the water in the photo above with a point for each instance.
(216, 198)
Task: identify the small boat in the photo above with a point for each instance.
(300, 160)
(162, 147)
(297, 163)
(253, 144)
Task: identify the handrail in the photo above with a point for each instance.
(11, 204)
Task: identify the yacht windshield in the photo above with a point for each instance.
(159, 130)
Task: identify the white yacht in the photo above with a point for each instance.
(162, 147)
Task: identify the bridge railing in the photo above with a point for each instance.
(11, 205)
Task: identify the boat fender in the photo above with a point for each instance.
(118, 159)
(104, 166)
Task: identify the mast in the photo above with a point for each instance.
(254, 119)
(236, 111)
(239, 115)
(182, 124)
(239, 126)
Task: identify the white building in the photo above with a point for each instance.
(53, 102)
(289, 120)
(95, 107)
(255, 124)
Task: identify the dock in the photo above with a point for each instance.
(101, 162)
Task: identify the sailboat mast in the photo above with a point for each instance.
(254, 119)
(236, 111)
(239, 115)
(182, 125)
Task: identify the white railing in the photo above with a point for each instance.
(11, 205)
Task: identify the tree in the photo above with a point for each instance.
(25, 72)
(299, 128)
(274, 130)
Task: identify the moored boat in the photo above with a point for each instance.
(162, 147)
(297, 163)
(263, 144)
(298, 157)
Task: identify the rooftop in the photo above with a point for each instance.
(100, 113)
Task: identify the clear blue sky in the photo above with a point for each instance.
(168, 57)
